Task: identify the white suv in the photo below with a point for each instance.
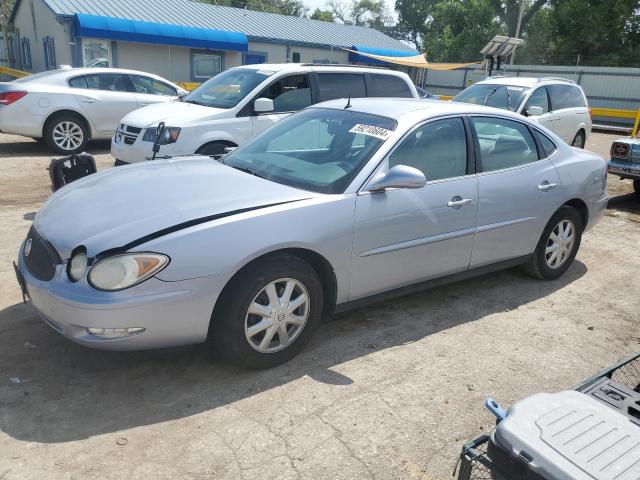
(239, 103)
(557, 103)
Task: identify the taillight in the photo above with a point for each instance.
(7, 98)
(619, 150)
(590, 114)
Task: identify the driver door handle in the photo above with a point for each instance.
(546, 186)
(458, 202)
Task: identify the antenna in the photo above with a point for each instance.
(348, 105)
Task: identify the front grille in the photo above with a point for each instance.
(127, 134)
(42, 258)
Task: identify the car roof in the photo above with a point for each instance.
(280, 67)
(522, 81)
(64, 73)
(417, 108)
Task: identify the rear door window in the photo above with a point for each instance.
(548, 146)
(387, 86)
(114, 82)
(341, 85)
(503, 143)
(565, 96)
(78, 82)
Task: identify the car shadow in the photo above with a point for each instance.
(24, 147)
(629, 203)
(57, 391)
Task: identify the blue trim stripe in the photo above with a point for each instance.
(354, 57)
(147, 32)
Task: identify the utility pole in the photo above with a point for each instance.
(513, 55)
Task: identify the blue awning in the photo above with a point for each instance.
(148, 32)
(354, 57)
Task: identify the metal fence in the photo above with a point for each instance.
(613, 93)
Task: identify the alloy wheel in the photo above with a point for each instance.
(560, 244)
(68, 135)
(277, 315)
(578, 141)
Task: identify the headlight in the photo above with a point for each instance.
(77, 265)
(123, 271)
(170, 135)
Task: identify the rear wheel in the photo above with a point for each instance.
(636, 186)
(268, 312)
(66, 133)
(578, 140)
(557, 246)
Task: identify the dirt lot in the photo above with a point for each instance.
(389, 391)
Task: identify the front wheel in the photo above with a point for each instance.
(557, 246)
(268, 312)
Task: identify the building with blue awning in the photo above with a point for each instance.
(181, 40)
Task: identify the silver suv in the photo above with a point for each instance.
(557, 103)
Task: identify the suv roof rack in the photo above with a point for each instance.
(341, 65)
(560, 79)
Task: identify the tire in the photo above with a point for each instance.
(212, 149)
(578, 140)
(636, 186)
(541, 263)
(74, 126)
(229, 332)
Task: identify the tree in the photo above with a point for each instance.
(458, 29)
(284, 7)
(369, 13)
(324, 15)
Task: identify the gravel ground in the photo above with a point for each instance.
(388, 391)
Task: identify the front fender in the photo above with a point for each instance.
(322, 224)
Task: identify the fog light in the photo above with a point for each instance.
(114, 332)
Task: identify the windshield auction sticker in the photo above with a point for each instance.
(378, 132)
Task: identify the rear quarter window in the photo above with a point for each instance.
(387, 86)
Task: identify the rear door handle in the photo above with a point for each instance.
(88, 99)
(144, 104)
(458, 202)
(546, 186)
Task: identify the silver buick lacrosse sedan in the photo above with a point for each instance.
(344, 203)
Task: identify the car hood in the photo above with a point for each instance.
(174, 114)
(119, 206)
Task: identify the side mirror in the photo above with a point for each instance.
(400, 176)
(263, 105)
(534, 111)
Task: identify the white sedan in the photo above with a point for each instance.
(69, 107)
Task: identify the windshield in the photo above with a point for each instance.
(318, 149)
(506, 97)
(226, 89)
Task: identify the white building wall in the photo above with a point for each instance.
(277, 53)
(39, 24)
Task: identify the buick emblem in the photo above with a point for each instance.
(27, 247)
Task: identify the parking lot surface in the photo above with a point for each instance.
(388, 391)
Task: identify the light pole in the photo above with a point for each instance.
(520, 13)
